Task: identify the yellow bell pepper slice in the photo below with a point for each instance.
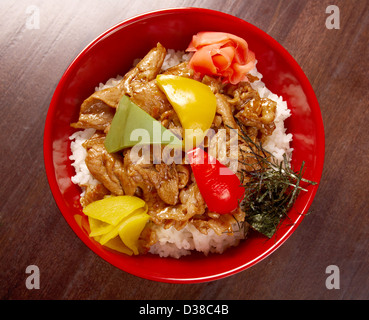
(194, 103)
(117, 222)
(112, 210)
(131, 229)
(105, 238)
(117, 245)
(98, 227)
(115, 230)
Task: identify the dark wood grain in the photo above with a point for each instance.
(32, 230)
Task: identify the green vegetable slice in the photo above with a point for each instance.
(131, 126)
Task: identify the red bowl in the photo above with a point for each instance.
(112, 53)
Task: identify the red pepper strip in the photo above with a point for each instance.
(219, 186)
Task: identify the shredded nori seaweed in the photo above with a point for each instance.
(271, 188)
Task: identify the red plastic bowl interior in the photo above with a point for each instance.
(113, 53)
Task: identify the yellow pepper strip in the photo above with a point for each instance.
(117, 245)
(98, 227)
(117, 222)
(116, 229)
(194, 103)
(112, 210)
(131, 228)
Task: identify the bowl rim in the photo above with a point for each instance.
(49, 165)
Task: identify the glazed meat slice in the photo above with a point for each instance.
(145, 71)
(169, 119)
(215, 84)
(148, 179)
(140, 84)
(192, 201)
(259, 113)
(94, 193)
(240, 94)
(105, 167)
(191, 204)
(98, 110)
(224, 109)
(183, 175)
(220, 223)
(150, 98)
(256, 113)
(180, 70)
(165, 180)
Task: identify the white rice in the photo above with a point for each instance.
(83, 177)
(278, 143)
(174, 57)
(110, 83)
(174, 243)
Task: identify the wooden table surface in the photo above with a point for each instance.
(32, 230)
